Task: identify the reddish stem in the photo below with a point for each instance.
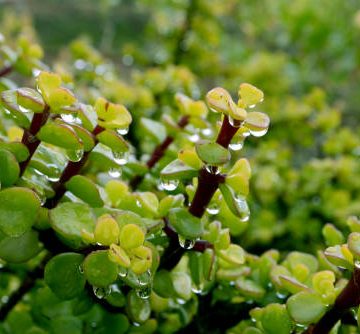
(5, 70)
(29, 137)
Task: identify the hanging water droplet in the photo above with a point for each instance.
(258, 133)
(243, 208)
(122, 272)
(236, 145)
(115, 172)
(194, 137)
(123, 131)
(145, 278)
(75, 155)
(198, 288)
(101, 292)
(169, 185)
(186, 243)
(121, 158)
(213, 208)
(180, 301)
(68, 118)
(234, 122)
(144, 292)
(251, 106)
(281, 295)
(212, 169)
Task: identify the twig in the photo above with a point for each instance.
(5, 70)
(29, 137)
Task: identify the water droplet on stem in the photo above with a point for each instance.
(186, 243)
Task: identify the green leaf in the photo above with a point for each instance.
(250, 288)
(9, 170)
(30, 99)
(66, 324)
(212, 154)
(137, 309)
(106, 230)
(332, 235)
(185, 223)
(69, 219)
(19, 150)
(234, 255)
(250, 95)
(85, 189)
(9, 101)
(61, 135)
(257, 121)
(178, 170)
(340, 256)
(305, 307)
(163, 284)
(182, 284)
(275, 319)
(63, 275)
(18, 210)
(112, 116)
(119, 256)
(99, 270)
(114, 141)
(131, 236)
(155, 130)
(85, 136)
(236, 203)
(354, 244)
(19, 249)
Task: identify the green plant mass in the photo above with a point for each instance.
(188, 166)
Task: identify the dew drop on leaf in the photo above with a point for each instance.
(123, 131)
(186, 243)
(236, 145)
(122, 272)
(121, 158)
(145, 278)
(194, 137)
(213, 209)
(258, 133)
(169, 185)
(144, 292)
(74, 155)
(101, 292)
(115, 172)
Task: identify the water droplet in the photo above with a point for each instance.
(121, 158)
(198, 288)
(357, 264)
(281, 295)
(122, 272)
(122, 131)
(7, 112)
(243, 208)
(144, 292)
(206, 132)
(258, 133)
(194, 137)
(35, 72)
(213, 209)
(75, 155)
(237, 145)
(169, 185)
(186, 243)
(68, 118)
(251, 106)
(80, 64)
(138, 203)
(101, 292)
(38, 172)
(235, 122)
(81, 269)
(180, 301)
(136, 324)
(115, 172)
(212, 169)
(145, 278)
